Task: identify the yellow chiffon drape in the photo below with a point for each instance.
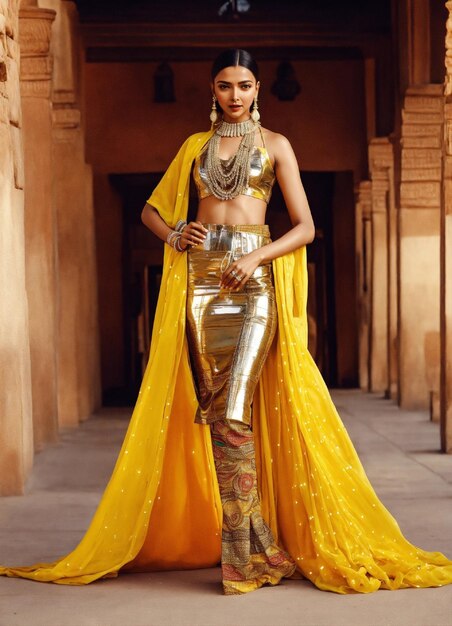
(161, 508)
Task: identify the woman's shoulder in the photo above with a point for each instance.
(275, 140)
(278, 146)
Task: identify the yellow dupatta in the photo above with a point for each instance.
(161, 508)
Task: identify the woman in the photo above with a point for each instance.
(232, 406)
(231, 308)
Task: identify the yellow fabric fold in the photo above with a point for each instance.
(161, 508)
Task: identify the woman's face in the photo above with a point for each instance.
(235, 88)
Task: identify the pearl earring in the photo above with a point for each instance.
(255, 115)
(214, 111)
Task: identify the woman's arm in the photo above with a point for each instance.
(288, 177)
(302, 231)
(151, 218)
(193, 233)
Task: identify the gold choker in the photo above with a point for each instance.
(235, 129)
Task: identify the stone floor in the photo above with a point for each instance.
(399, 450)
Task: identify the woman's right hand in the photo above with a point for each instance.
(193, 233)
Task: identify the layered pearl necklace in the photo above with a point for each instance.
(229, 178)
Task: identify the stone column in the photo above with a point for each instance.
(40, 216)
(78, 350)
(78, 344)
(383, 376)
(446, 257)
(363, 247)
(66, 124)
(16, 428)
(419, 230)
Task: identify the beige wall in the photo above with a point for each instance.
(127, 132)
(49, 357)
(16, 428)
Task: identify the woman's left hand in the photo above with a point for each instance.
(238, 273)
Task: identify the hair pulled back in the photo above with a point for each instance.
(233, 57)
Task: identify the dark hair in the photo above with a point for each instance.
(233, 57)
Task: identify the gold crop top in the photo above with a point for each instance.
(261, 178)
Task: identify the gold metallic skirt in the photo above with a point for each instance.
(229, 333)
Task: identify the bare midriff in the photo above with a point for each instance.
(239, 210)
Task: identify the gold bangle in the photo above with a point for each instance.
(177, 245)
(172, 235)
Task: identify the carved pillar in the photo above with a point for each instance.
(78, 352)
(40, 217)
(419, 228)
(446, 256)
(363, 247)
(16, 428)
(383, 329)
(66, 127)
(379, 293)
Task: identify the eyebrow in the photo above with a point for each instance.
(225, 82)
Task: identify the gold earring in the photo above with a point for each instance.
(214, 111)
(255, 115)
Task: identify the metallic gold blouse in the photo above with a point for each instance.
(261, 177)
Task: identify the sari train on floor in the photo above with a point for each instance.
(161, 508)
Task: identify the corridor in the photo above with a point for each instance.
(398, 449)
